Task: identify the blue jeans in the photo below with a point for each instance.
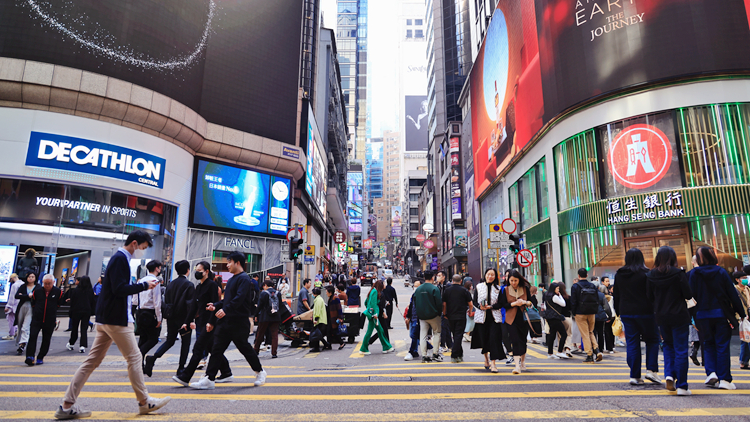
(715, 333)
(675, 339)
(744, 352)
(637, 328)
(414, 334)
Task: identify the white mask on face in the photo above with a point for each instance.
(139, 253)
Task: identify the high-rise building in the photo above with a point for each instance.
(374, 169)
(351, 32)
(391, 167)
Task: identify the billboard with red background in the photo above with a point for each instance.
(542, 58)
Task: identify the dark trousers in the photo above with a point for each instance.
(389, 312)
(237, 331)
(490, 335)
(556, 327)
(637, 329)
(505, 335)
(272, 330)
(599, 333)
(518, 332)
(315, 344)
(47, 330)
(173, 331)
(715, 336)
(457, 327)
(445, 333)
(384, 324)
(83, 322)
(609, 336)
(675, 338)
(202, 345)
(149, 332)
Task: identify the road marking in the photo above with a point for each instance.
(355, 354)
(371, 397)
(311, 355)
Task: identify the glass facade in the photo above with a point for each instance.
(351, 39)
(577, 170)
(529, 197)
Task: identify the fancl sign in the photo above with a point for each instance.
(85, 156)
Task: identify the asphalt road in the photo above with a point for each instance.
(347, 386)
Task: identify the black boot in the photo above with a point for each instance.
(148, 367)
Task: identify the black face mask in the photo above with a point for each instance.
(198, 275)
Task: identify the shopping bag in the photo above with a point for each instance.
(745, 331)
(343, 329)
(617, 327)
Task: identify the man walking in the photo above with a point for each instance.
(177, 300)
(428, 304)
(390, 297)
(446, 342)
(112, 326)
(149, 315)
(584, 304)
(45, 300)
(233, 323)
(303, 298)
(456, 303)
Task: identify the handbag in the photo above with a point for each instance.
(526, 317)
(343, 329)
(617, 327)
(745, 331)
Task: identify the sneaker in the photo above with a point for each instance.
(39, 362)
(152, 405)
(437, 358)
(653, 377)
(29, 361)
(181, 381)
(408, 357)
(670, 383)
(69, 346)
(148, 365)
(274, 356)
(611, 352)
(510, 361)
(727, 385)
(426, 359)
(365, 353)
(82, 349)
(712, 380)
(203, 384)
(562, 356)
(74, 412)
(636, 381)
(599, 355)
(589, 359)
(684, 392)
(459, 359)
(467, 338)
(392, 349)
(454, 360)
(13, 338)
(745, 366)
(19, 351)
(260, 378)
(224, 378)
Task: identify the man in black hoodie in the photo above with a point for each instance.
(584, 303)
(177, 300)
(45, 300)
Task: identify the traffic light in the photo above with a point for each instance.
(295, 246)
(516, 243)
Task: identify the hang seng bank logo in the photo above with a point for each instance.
(86, 156)
(640, 156)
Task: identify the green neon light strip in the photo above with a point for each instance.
(744, 140)
(733, 149)
(687, 147)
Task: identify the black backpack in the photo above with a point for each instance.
(589, 301)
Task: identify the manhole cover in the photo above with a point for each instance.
(381, 379)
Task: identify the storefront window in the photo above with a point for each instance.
(714, 144)
(577, 171)
(600, 251)
(530, 194)
(729, 235)
(515, 212)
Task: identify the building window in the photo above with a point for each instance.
(418, 22)
(408, 22)
(529, 197)
(413, 211)
(418, 33)
(577, 171)
(408, 33)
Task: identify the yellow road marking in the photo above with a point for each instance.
(311, 355)
(355, 354)
(371, 397)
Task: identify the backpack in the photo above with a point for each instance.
(589, 301)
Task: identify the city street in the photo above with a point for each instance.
(347, 386)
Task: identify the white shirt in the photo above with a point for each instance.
(150, 299)
(559, 300)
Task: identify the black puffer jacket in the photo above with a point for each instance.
(630, 293)
(668, 292)
(551, 309)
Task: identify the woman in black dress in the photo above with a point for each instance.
(487, 329)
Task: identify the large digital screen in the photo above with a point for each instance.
(240, 200)
(416, 123)
(316, 178)
(213, 56)
(8, 254)
(542, 58)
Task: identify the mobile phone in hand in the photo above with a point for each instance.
(184, 331)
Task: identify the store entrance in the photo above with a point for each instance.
(649, 240)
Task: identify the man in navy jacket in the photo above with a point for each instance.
(112, 326)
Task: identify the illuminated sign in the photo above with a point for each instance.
(640, 156)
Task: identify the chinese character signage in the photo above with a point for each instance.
(628, 210)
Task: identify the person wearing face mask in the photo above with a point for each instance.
(149, 310)
(112, 326)
(45, 300)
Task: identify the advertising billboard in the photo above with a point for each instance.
(416, 135)
(316, 177)
(8, 254)
(541, 58)
(212, 56)
(239, 200)
(396, 221)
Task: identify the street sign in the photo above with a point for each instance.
(339, 237)
(429, 228)
(525, 258)
(522, 243)
(285, 252)
(421, 251)
(420, 238)
(499, 236)
(509, 226)
(499, 244)
(309, 260)
(429, 244)
(310, 250)
(289, 233)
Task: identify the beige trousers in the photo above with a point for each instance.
(124, 338)
(586, 327)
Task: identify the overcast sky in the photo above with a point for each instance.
(383, 57)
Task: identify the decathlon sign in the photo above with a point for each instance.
(85, 156)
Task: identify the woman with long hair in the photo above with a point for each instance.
(23, 312)
(718, 301)
(667, 289)
(556, 303)
(372, 311)
(82, 306)
(487, 334)
(637, 316)
(514, 299)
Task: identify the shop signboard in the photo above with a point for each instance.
(456, 208)
(367, 243)
(434, 265)
(396, 221)
(429, 244)
(78, 155)
(339, 236)
(316, 174)
(460, 238)
(420, 238)
(8, 254)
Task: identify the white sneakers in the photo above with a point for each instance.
(82, 349)
(684, 392)
(408, 356)
(636, 381)
(152, 405)
(653, 377)
(562, 356)
(260, 378)
(392, 349)
(670, 383)
(69, 346)
(712, 380)
(74, 412)
(726, 385)
(553, 357)
(203, 384)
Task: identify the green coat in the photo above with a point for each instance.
(371, 304)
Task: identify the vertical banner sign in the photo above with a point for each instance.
(456, 191)
(396, 221)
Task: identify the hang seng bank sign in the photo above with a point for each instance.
(86, 156)
(645, 208)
